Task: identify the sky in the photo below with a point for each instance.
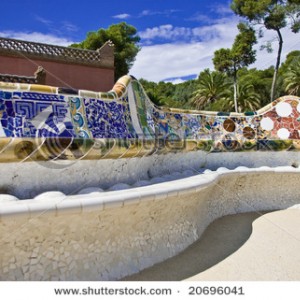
(178, 37)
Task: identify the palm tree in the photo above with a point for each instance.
(292, 78)
(248, 99)
(212, 86)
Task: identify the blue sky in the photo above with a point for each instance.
(178, 38)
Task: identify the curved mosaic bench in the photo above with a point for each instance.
(48, 123)
(70, 154)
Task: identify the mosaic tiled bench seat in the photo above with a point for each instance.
(48, 123)
(111, 184)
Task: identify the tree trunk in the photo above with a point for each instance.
(277, 64)
(235, 92)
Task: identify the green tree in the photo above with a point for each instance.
(240, 55)
(290, 58)
(249, 100)
(124, 38)
(169, 94)
(261, 80)
(212, 86)
(151, 89)
(292, 78)
(273, 14)
(184, 92)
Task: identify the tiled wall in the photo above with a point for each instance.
(38, 114)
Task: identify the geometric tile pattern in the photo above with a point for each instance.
(34, 115)
(31, 113)
(273, 128)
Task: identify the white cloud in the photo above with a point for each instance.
(171, 33)
(167, 32)
(191, 52)
(122, 16)
(222, 9)
(166, 12)
(43, 20)
(202, 18)
(57, 27)
(37, 37)
(158, 62)
(218, 12)
(68, 26)
(176, 80)
(188, 51)
(146, 13)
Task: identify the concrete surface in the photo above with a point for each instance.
(29, 179)
(110, 235)
(249, 246)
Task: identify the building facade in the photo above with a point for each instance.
(29, 62)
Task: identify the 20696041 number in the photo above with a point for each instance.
(213, 290)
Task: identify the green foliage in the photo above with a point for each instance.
(155, 91)
(241, 54)
(183, 92)
(274, 15)
(212, 86)
(292, 78)
(168, 94)
(242, 49)
(124, 38)
(290, 59)
(252, 9)
(249, 99)
(261, 80)
(276, 18)
(213, 90)
(223, 61)
(219, 105)
(293, 12)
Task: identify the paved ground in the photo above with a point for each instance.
(251, 246)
